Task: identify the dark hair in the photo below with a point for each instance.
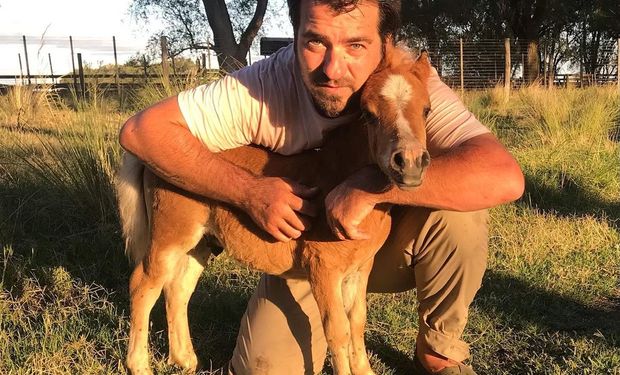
(389, 13)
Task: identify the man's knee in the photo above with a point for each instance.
(462, 235)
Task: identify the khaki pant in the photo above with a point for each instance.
(442, 253)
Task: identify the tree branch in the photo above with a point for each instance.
(250, 32)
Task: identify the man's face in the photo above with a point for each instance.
(337, 52)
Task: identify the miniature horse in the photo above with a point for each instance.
(169, 232)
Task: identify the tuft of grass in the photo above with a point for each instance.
(570, 116)
(23, 105)
(155, 91)
(79, 160)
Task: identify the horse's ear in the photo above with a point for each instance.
(389, 48)
(422, 66)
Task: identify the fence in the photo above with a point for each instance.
(462, 64)
(480, 64)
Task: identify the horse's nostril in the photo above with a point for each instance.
(425, 159)
(398, 161)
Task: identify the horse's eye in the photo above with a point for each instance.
(427, 110)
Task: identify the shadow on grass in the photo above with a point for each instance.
(520, 304)
(530, 325)
(44, 227)
(569, 200)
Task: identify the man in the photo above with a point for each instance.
(438, 242)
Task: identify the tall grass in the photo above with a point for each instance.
(585, 117)
(548, 304)
(22, 105)
(153, 93)
(77, 156)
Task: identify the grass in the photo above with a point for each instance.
(549, 303)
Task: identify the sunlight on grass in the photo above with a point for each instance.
(546, 306)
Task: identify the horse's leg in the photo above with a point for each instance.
(327, 290)
(176, 227)
(145, 286)
(357, 319)
(137, 351)
(177, 293)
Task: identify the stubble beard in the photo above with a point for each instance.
(328, 105)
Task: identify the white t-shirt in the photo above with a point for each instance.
(267, 104)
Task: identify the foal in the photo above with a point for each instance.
(169, 232)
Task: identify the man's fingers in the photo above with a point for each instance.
(351, 232)
(336, 229)
(304, 206)
(290, 232)
(356, 234)
(280, 237)
(306, 221)
(293, 220)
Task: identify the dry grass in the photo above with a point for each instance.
(548, 304)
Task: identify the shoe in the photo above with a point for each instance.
(461, 369)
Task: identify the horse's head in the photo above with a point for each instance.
(396, 102)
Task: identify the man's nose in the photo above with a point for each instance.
(333, 64)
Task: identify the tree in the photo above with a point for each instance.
(230, 35)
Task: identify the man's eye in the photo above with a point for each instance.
(357, 46)
(315, 43)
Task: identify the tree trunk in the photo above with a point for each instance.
(230, 54)
(532, 66)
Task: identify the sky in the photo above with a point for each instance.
(47, 26)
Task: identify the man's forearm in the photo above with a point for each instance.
(178, 157)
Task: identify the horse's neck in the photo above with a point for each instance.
(344, 151)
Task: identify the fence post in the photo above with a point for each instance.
(21, 68)
(81, 72)
(462, 74)
(116, 75)
(145, 65)
(164, 62)
(27, 63)
(75, 85)
(208, 53)
(174, 68)
(507, 68)
(250, 54)
(49, 56)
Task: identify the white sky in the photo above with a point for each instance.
(47, 25)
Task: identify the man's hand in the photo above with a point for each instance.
(348, 204)
(275, 204)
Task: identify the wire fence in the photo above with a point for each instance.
(462, 64)
(486, 63)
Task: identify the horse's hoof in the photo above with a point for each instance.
(188, 362)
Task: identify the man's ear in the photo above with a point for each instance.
(422, 66)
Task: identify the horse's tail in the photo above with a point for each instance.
(132, 207)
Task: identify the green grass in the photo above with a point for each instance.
(549, 304)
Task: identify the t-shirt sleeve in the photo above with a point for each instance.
(449, 122)
(222, 114)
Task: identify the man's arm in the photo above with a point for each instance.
(159, 136)
(479, 173)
